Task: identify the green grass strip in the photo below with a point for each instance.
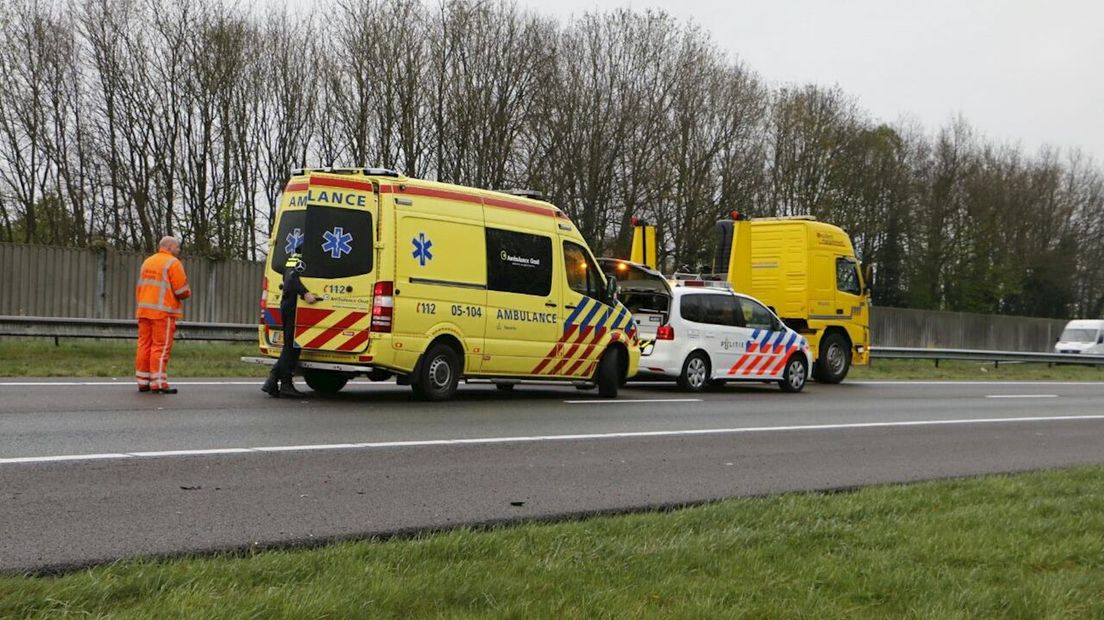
(1023, 546)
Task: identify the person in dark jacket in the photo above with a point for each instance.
(289, 357)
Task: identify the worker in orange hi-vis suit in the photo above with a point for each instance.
(162, 283)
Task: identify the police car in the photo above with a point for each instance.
(712, 335)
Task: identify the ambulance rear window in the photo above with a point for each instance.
(337, 243)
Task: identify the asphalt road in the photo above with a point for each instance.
(92, 471)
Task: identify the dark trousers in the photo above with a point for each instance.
(289, 355)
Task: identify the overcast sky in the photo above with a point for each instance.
(1020, 71)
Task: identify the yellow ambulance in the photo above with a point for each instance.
(432, 283)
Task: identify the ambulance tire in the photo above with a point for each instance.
(833, 360)
(608, 375)
(438, 375)
(324, 381)
(695, 372)
(794, 374)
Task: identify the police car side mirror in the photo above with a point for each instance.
(611, 288)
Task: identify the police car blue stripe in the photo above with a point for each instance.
(575, 313)
(766, 339)
(779, 339)
(754, 334)
(789, 343)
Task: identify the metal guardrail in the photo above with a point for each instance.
(56, 328)
(909, 353)
(126, 329)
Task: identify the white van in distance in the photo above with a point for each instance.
(1084, 336)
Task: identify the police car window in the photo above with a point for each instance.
(518, 262)
(692, 308)
(723, 310)
(289, 233)
(337, 243)
(847, 278)
(582, 274)
(755, 315)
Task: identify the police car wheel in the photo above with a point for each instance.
(438, 375)
(793, 376)
(608, 374)
(695, 372)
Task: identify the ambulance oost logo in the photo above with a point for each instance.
(421, 249)
(294, 238)
(338, 242)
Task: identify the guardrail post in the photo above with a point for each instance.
(101, 283)
(212, 290)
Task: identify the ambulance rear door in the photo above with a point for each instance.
(339, 254)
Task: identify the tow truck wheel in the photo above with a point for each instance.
(439, 374)
(695, 372)
(793, 376)
(834, 359)
(324, 381)
(608, 376)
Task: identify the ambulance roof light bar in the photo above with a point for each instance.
(377, 172)
(532, 194)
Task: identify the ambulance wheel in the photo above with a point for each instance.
(834, 359)
(439, 374)
(324, 381)
(695, 372)
(608, 376)
(793, 376)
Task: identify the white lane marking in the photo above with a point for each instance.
(129, 383)
(896, 382)
(1021, 396)
(595, 401)
(547, 438)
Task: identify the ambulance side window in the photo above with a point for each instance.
(582, 273)
(519, 262)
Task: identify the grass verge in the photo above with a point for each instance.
(114, 358)
(1023, 546)
(99, 358)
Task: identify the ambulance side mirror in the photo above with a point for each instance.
(611, 288)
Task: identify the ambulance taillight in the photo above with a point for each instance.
(383, 306)
(264, 297)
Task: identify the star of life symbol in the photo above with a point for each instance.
(338, 242)
(421, 249)
(294, 238)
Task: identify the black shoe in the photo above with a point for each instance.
(287, 388)
(143, 388)
(167, 390)
(271, 387)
